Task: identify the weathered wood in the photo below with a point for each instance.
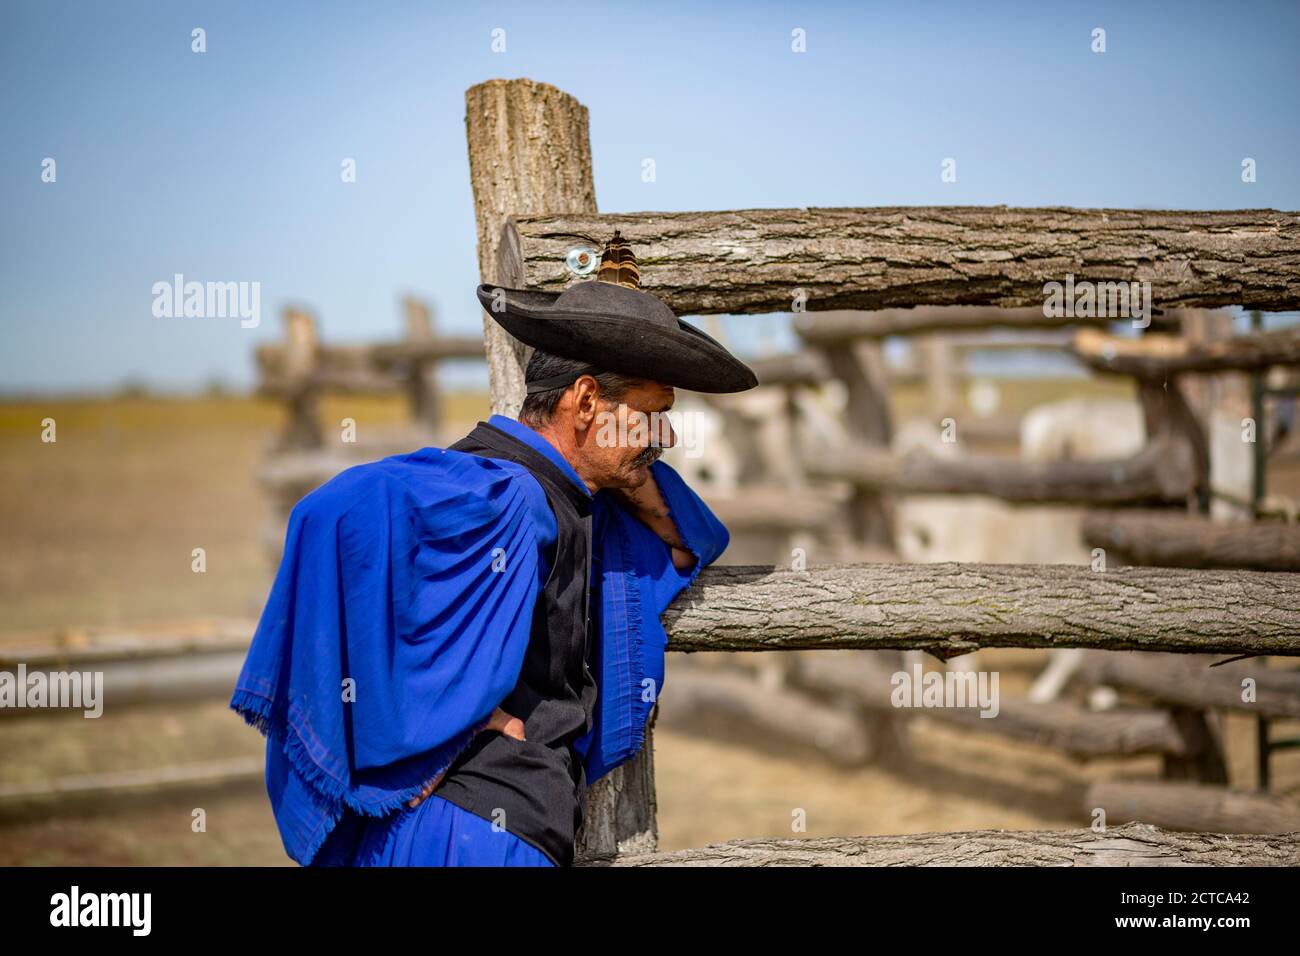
(529, 152)
(422, 392)
(1132, 845)
(760, 260)
(343, 381)
(1163, 471)
(768, 509)
(381, 368)
(434, 349)
(1190, 681)
(81, 647)
(1062, 726)
(797, 368)
(950, 609)
(1171, 539)
(1206, 760)
(753, 464)
(1079, 732)
(1207, 394)
(939, 360)
(846, 326)
(151, 782)
(150, 679)
(341, 361)
(1047, 341)
(998, 429)
(1192, 807)
(299, 362)
(1169, 420)
(620, 810)
(809, 366)
(1157, 357)
(860, 367)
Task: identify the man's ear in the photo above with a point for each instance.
(585, 401)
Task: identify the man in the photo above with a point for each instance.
(459, 641)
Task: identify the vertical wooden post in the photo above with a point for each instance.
(939, 359)
(529, 153)
(1166, 412)
(301, 355)
(861, 367)
(1227, 394)
(421, 376)
(1206, 762)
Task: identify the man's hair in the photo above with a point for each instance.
(539, 407)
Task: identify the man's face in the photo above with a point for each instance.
(628, 434)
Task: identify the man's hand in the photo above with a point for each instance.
(647, 503)
(499, 721)
(504, 723)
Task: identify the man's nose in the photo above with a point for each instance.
(668, 437)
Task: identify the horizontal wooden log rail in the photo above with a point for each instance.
(766, 509)
(830, 328)
(1074, 730)
(867, 680)
(83, 648)
(796, 368)
(756, 260)
(947, 609)
(950, 609)
(1156, 357)
(92, 789)
(1192, 807)
(1163, 471)
(811, 368)
(1178, 540)
(704, 698)
(1190, 681)
(1133, 845)
(357, 368)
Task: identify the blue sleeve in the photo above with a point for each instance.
(638, 582)
(397, 622)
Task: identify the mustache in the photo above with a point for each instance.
(649, 456)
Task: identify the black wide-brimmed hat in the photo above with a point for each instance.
(614, 327)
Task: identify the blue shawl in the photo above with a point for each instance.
(399, 618)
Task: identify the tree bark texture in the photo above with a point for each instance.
(1060, 725)
(760, 260)
(950, 609)
(1163, 471)
(1197, 808)
(529, 152)
(1248, 687)
(1132, 845)
(1178, 540)
(846, 326)
(1157, 357)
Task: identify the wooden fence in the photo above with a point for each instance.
(531, 173)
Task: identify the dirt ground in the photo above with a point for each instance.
(99, 528)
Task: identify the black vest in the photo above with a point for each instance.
(539, 782)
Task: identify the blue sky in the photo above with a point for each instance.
(225, 165)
